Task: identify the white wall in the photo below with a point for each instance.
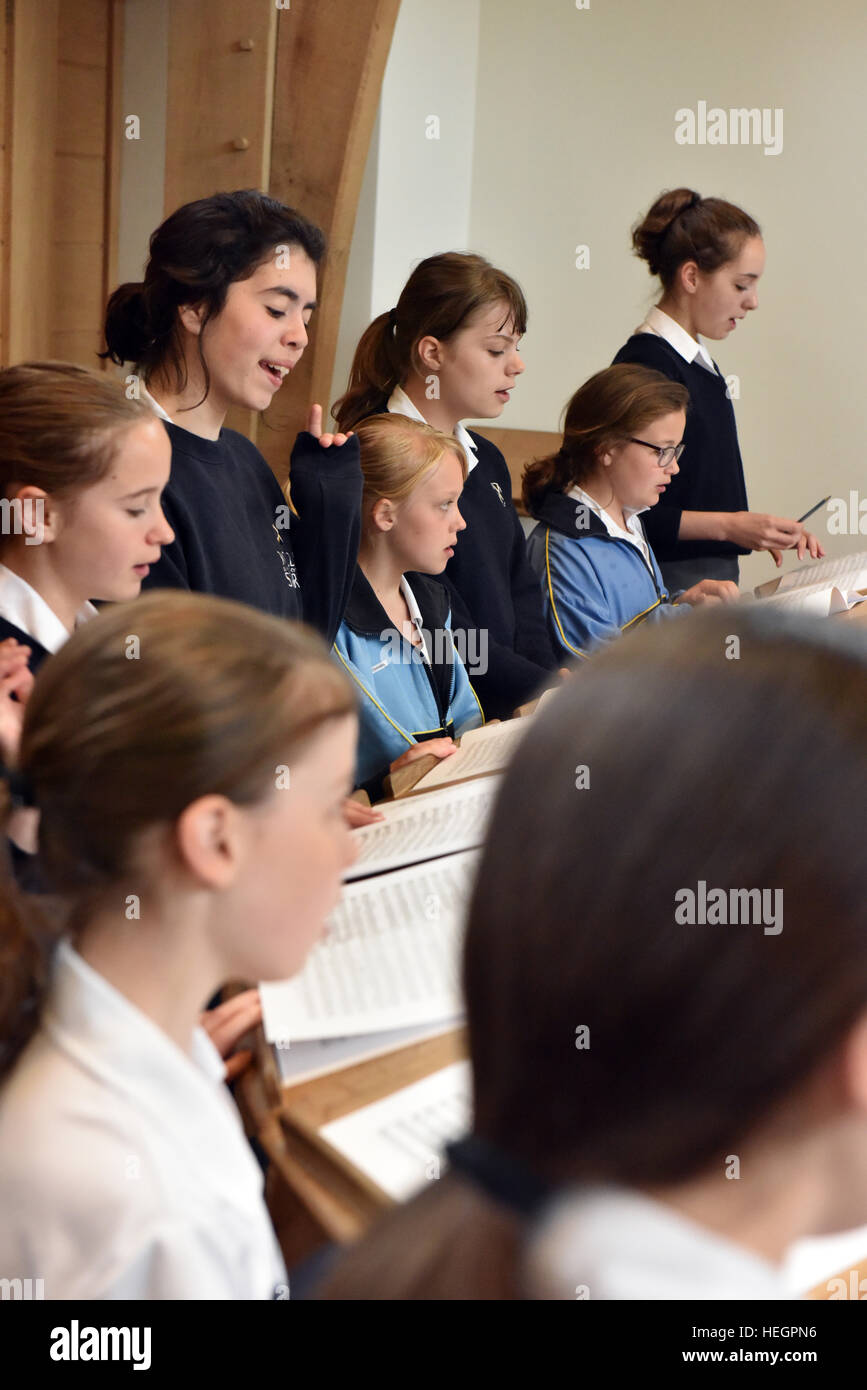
(142, 167)
(416, 195)
(575, 138)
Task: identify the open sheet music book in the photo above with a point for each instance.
(826, 587)
(397, 1143)
(425, 827)
(390, 957)
(480, 752)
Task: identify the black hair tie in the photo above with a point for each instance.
(502, 1177)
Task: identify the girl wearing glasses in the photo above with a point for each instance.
(709, 256)
(622, 437)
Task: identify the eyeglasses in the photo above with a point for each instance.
(664, 456)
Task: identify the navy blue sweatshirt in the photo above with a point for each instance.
(38, 653)
(228, 513)
(711, 477)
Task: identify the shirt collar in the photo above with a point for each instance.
(622, 1244)
(399, 403)
(23, 606)
(154, 405)
(178, 1094)
(611, 525)
(689, 348)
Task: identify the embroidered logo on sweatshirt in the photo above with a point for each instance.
(286, 561)
(499, 491)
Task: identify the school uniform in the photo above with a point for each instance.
(597, 579)
(711, 477)
(26, 616)
(406, 694)
(236, 537)
(123, 1164)
(611, 1242)
(493, 590)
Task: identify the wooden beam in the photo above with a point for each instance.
(31, 107)
(219, 109)
(330, 65)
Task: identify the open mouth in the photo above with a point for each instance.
(274, 371)
(503, 395)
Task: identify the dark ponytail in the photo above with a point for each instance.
(682, 226)
(195, 255)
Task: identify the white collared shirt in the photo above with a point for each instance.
(22, 605)
(414, 615)
(633, 533)
(399, 403)
(154, 404)
(123, 1164)
(615, 1243)
(690, 349)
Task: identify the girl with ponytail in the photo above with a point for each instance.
(625, 1050)
(709, 256)
(189, 757)
(448, 351)
(623, 434)
(220, 320)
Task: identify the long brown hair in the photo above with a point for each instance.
(698, 1035)
(682, 226)
(61, 426)
(611, 405)
(440, 297)
(145, 709)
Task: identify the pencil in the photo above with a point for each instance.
(814, 509)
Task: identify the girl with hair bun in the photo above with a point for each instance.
(448, 351)
(220, 321)
(190, 790)
(709, 256)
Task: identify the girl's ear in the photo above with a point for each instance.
(689, 274)
(36, 516)
(208, 841)
(383, 514)
(191, 316)
(429, 353)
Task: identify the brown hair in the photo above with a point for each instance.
(440, 297)
(699, 1035)
(145, 709)
(60, 426)
(398, 452)
(195, 255)
(612, 405)
(682, 226)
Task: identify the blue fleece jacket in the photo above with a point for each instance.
(594, 585)
(402, 699)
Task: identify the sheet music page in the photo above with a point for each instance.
(398, 1141)
(817, 598)
(390, 957)
(846, 571)
(481, 750)
(421, 827)
(305, 1060)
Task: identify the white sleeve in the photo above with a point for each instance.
(178, 1261)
